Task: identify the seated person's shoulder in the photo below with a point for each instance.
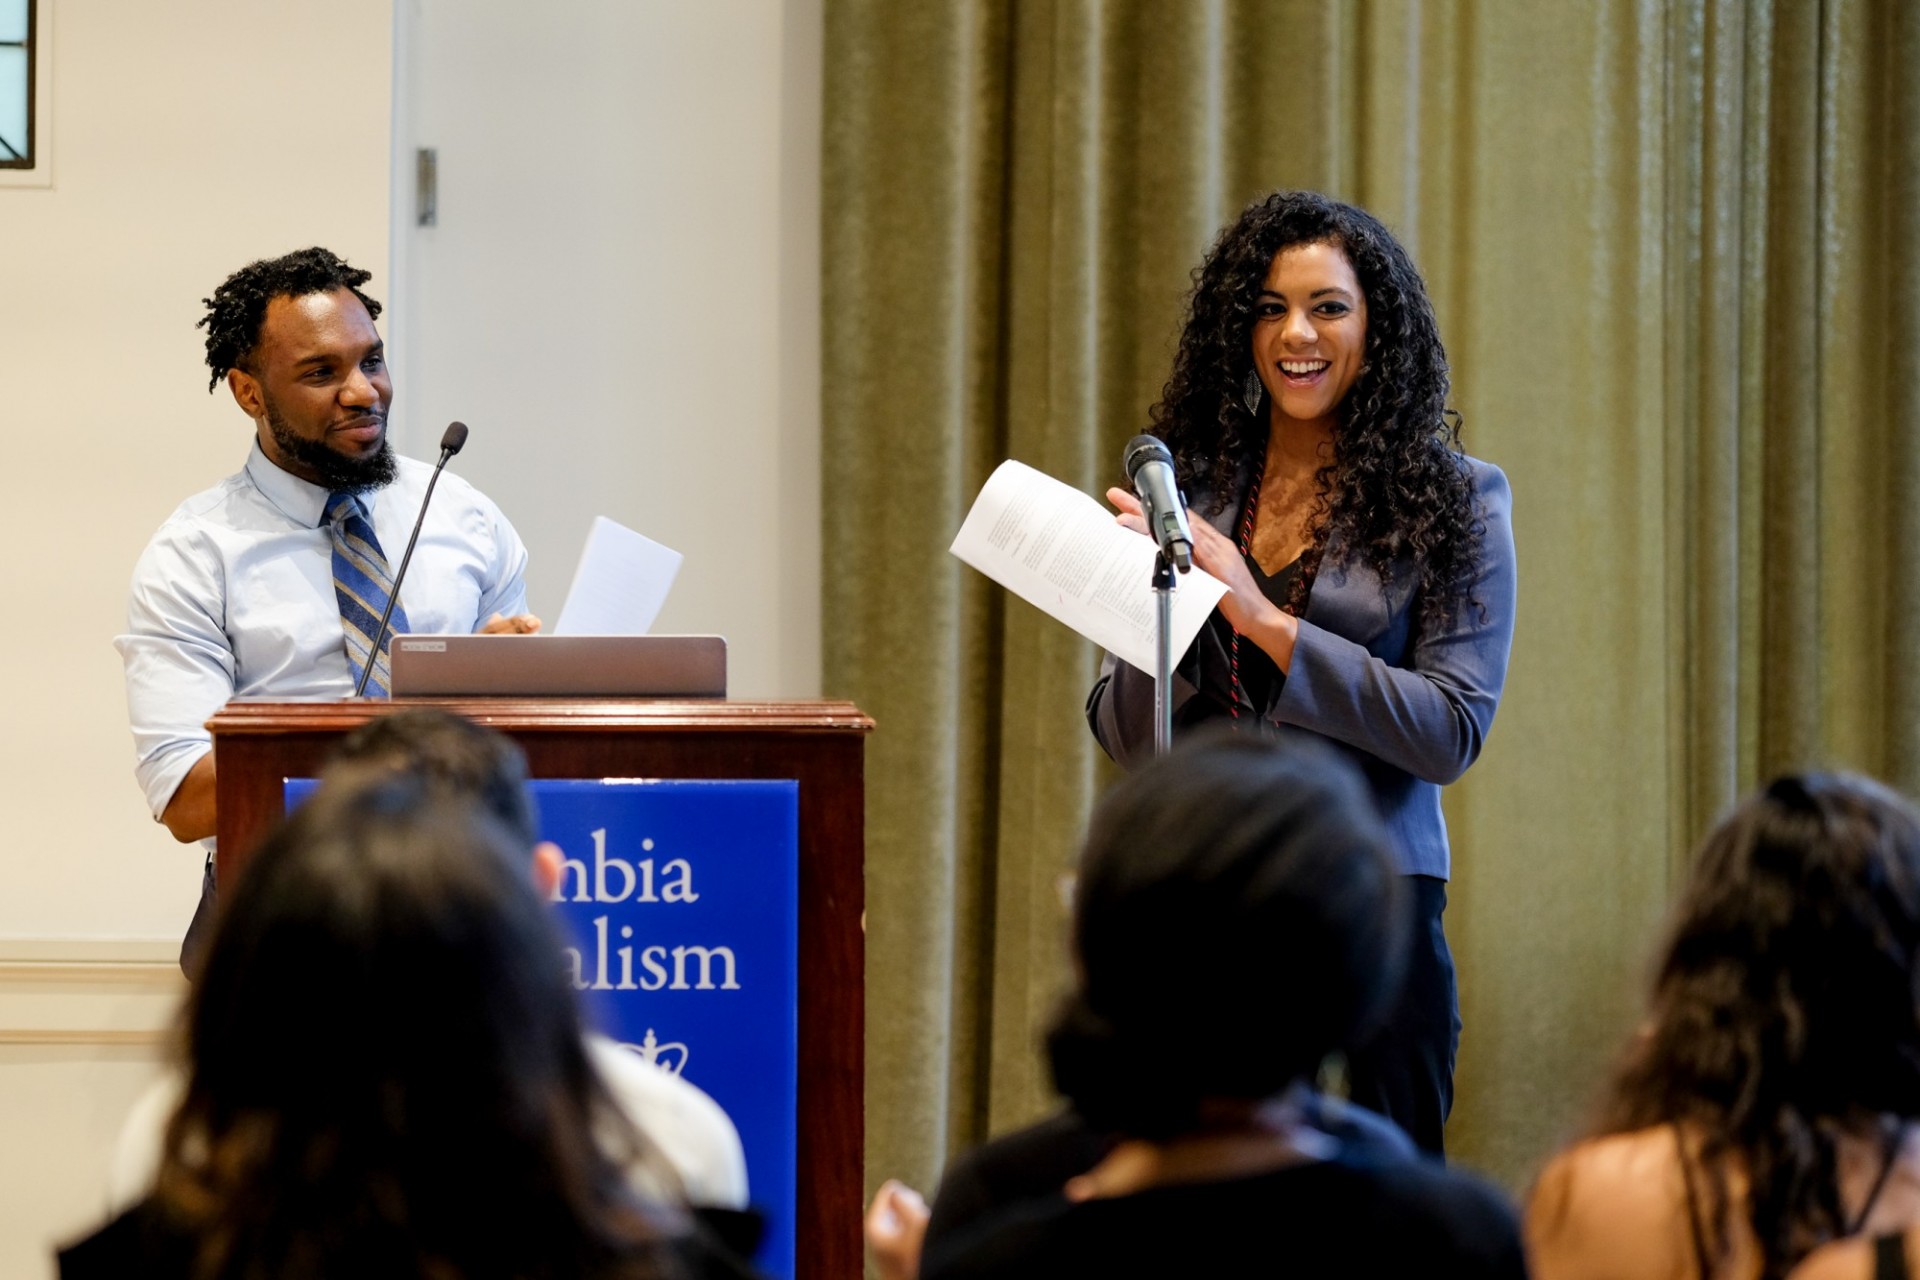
(692, 1131)
(141, 1241)
(1026, 1164)
(1613, 1205)
(1038, 1158)
(1363, 1213)
(1856, 1259)
(1463, 1223)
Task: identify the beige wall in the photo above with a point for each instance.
(187, 138)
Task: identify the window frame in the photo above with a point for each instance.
(40, 32)
(31, 160)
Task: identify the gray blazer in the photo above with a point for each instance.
(1412, 708)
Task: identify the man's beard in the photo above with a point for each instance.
(337, 473)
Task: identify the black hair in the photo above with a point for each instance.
(387, 1075)
(1784, 1011)
(1398, 487)
(453, 753)
(238, 307)
(1238, 918)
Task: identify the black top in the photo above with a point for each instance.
(1890, 1257)
(1892, 1138)
(1208, 662)
(1357, 1214)
(1035, 1162)
(143, 1242)
(1025, 1165)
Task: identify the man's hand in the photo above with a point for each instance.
(520, 624)
(190, 814)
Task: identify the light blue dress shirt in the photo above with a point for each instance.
(234, 597)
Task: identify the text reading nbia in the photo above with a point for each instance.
(615, 880)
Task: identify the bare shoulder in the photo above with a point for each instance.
(1841, 1260)
(1620, 1171)
(1611, 1206)
(1895, 1208)
(1851, 1259)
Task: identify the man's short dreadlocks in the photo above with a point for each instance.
(238, 307)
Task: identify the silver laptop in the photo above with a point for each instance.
(565, 666)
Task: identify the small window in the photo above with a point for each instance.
(16, 84)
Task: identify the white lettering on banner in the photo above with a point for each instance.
(652, 963)
(617, 880)
(638, 968)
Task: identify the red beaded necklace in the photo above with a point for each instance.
(1246, 546)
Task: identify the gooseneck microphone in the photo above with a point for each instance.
(1150, 469)
(452, 440)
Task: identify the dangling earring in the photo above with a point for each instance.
(1251, 392)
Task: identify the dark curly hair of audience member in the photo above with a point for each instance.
(238, 307)
(1784, 1005)
(448, 751)
(1397, 487)
(1238, 918)
(387, 1075)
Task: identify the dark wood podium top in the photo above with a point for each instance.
(248, 716)
(258, 742)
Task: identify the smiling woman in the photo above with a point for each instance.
(1368, 562)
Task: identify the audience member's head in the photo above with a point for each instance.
(1784, 1011)
(451, 753)
(386, 1067)
(1237, 920)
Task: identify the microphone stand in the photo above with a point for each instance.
(1162, 654)
(393, 597)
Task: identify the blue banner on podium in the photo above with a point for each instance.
(681, 901)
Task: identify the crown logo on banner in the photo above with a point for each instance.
(671, 1056)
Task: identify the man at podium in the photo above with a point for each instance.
(272, 583)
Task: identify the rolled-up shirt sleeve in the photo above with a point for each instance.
(506, 591)
(179, 661)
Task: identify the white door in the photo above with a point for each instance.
(620, 293)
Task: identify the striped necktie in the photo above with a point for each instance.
(363, 584)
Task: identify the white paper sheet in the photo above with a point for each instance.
(1060, 551)
(619, 585)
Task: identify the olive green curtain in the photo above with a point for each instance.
(1673, 253)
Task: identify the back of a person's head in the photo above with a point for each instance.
(452, 752)
(1237, 919)
(1789, 974)
(386, 1067)
(1785, 1008)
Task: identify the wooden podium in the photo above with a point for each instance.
(259, 743)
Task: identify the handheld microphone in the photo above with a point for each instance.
(1150, 468)
(452, 441)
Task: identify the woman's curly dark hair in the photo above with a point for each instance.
(1785, 1012)
(1398, 487)
(238, 307)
